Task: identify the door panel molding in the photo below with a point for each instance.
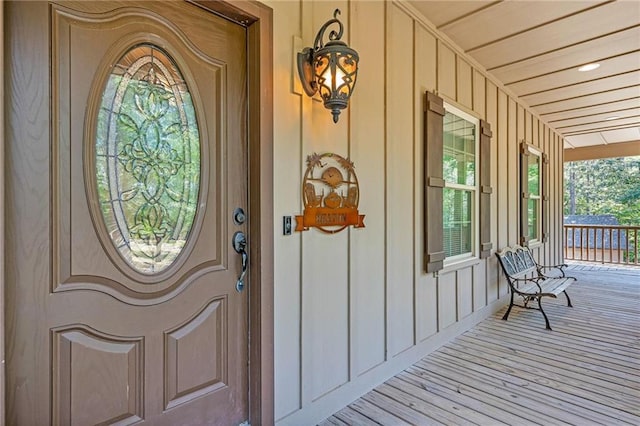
(31, 228)
(258, 19)
(76, 353)
(207, 329)
(259, 23)
(117, 278)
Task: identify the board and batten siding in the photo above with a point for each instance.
(353, 308)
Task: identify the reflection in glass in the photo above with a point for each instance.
(457, 225)
(147, 159)
(533, 218)
(533, 204)
(459, 173)
(459, 145)
(534, 174)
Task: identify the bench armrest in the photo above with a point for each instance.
(534, 280)
(558, 267)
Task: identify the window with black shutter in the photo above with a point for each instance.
(457, 185)
(531, 197)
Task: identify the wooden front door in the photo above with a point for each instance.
(126, 159)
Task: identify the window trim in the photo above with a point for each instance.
(476, 188)
(433, 256)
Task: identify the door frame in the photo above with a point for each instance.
(2, 233)
(257, 18)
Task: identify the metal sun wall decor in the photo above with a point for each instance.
(331, 194)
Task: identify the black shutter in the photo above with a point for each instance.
(545, 198)
(433, 182)
(524, 194)
(485, 189)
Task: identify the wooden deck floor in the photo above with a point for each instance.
(584, 372)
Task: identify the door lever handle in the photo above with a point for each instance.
(240, 246)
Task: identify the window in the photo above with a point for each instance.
(457, 185)
(147, 159)
(534, 197)
(531, 190)
(460, 193)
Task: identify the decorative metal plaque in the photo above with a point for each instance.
(331, 194)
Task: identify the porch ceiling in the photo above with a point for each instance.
(535, 49)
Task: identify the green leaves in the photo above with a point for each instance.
(605, 186)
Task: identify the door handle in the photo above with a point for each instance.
(240, 246)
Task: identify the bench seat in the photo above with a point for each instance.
(528, 279)
(551, 286)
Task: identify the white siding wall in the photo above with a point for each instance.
(353, 308)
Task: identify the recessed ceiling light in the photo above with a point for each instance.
(614, 117)
(589, 67)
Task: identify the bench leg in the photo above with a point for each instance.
(568, 300)
(546, 320)
(506, 314)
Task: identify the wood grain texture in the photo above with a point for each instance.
(447, 300)
(464, 83)
(195, 362)
(33, 188)
(464, 292)
(83, 357)
(425, 70)
(480, 285)
(433, 183)
(376, 275)
(587, 371)
(79, 262)
(514, 135)
(399, 177)
(325, 273)
(486, 190)
(551, 249)
(2, 221)
(446, 71)
(503, 211)
(260, 155)
(492, 118)
(26, 186)
(286, 201)
(367, 150)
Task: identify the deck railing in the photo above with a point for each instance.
(602, 243)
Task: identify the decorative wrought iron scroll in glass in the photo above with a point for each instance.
(147, 159)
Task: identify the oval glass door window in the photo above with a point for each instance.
(147, 159)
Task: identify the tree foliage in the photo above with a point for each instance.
(605, 186)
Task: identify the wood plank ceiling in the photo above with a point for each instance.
(535, 49)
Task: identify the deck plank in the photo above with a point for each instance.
(544, 375)
(533, 358)
(586, 371)
(600, 367)
(557, 407)
(454, 406)
(479, 392)
(560, 394)
(493, 411)
(373, 411)
(399, 409)
(427, 408)
(351, 416)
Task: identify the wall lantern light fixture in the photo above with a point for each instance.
(329, 69)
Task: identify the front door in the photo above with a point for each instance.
(126, 160)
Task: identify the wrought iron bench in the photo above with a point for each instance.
(528, 279)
